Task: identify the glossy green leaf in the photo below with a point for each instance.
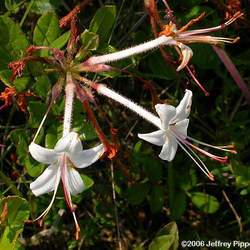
(156, 198)
(159, 68)
(166, 239)
(103, 22)
(137, 193)
(15, 212)
(178, 204)
(33, 168)
(42, 85)
(36, 110)
(43, 6)
(88, 182)
(13, 42)
(204, 56)
(46, 31)
(61, 41)
(20, 140)
(206, 203)
(90, 40)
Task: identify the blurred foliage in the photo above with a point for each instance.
(150, 193)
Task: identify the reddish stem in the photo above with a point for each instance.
(110, 149)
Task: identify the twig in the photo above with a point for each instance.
(119, 242)
(237, 217)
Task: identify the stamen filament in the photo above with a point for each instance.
(212, 156)
(45, 212)
(226, 148)
(206, 39)
(182, 143)
(213, 29)
(202, 167)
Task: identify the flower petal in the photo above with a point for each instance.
(186, 54)
(75, 145)
(46, 182)
(166, 113)
(156, 137)
(41, 154)
(184, 107)
(169, 149)
(75, 182)
(65, 143)
(84, 158)
(181, 127)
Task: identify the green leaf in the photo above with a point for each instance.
(42, 85)
(88, 182)
(4, 38)
(33, 168)
(20, 140)
(204, 56)
(137, 193)
(178, 204)
(50, 140)
(13, 42)
(90, 40)
(13, 5)
(14, 212)
(206, 203)
(5, 76)
(156, 198)
(61, 41)
(166, 239)
(85, 130)
(159, 68)
(103, 22)
(37, 111)
(46, 31)
(21, 83)
(43, 6)
(151, 165)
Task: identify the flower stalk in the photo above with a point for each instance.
(69, 98)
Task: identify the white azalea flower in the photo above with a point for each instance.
(63, 159)
(170, 36)
(173, 132)
(173, 121)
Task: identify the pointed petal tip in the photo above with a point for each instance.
(187, 54)
(157, 137)
(41, 154)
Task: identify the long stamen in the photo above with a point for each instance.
(201, 165)
(162, 40)
(227, 148)
(213, 29)
(207, 39)
(212, 156)
(183, 144)
(56, 90)
(67, 195)
(65, 185)
(197, 81)
(45, 212)
(220, 159)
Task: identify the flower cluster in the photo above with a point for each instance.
(171, 122)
